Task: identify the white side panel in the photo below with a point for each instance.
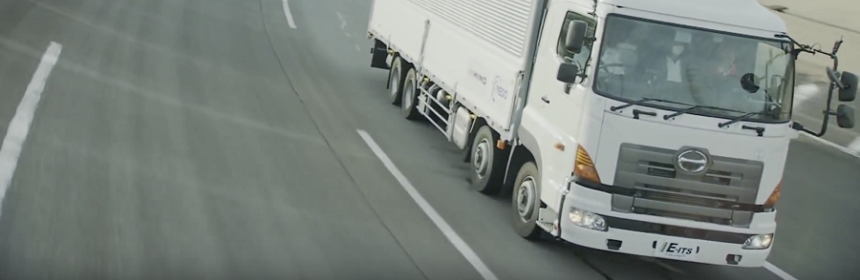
(503, 23)
(473, 47)
(399, 24)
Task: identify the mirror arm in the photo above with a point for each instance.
(827, 113)
(582, 76)
(835, 62)
(834, 78)
(810, 49)
(799, 127)
(833, 84)
(830, 113)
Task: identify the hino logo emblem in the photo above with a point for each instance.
(692, 161)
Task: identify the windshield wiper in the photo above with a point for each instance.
(691, 108)
(743, 117)
(640, 102)
(758, 129)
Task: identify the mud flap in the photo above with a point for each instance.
(380, 55)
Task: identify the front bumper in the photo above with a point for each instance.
(646, 235)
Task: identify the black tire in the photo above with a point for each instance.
(527, 227)
(409, 96)
(488, 163)
(395, 80)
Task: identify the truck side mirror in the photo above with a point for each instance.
(845, 116)
(575, 36)
(567, 73)
(846, 82)
(848, 91)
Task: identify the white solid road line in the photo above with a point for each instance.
(779, 272)
(289, 14)
(19, 127)
(852, 148)
(855, 146)
(446, 229)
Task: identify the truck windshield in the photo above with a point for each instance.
(722, 75)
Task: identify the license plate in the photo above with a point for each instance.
(671, 249)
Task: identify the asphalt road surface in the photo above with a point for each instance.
(208, 139)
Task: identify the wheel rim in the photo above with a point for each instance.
(393, 82)
(480, 158)
(526, 198)
(408, 91)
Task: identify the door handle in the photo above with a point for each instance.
(545, 99)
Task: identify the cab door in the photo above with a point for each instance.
(554, 108)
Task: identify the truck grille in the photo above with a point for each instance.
(659, 190)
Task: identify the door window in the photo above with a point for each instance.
(584, 57)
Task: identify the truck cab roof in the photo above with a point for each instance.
(746, 13)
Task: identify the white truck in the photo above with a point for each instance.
(648, 127)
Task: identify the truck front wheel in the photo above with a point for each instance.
(487, 162)
(395, 81)
(526, 201)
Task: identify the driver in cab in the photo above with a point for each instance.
(669, 67)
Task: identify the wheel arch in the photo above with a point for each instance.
(473, 130)
(526, 149)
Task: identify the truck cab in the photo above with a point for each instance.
(660, 128)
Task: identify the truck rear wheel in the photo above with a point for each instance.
(487, 162)
(526, 201)
(395, 81)
(410, 96)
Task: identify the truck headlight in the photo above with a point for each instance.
(759, 242)
(585, 219)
